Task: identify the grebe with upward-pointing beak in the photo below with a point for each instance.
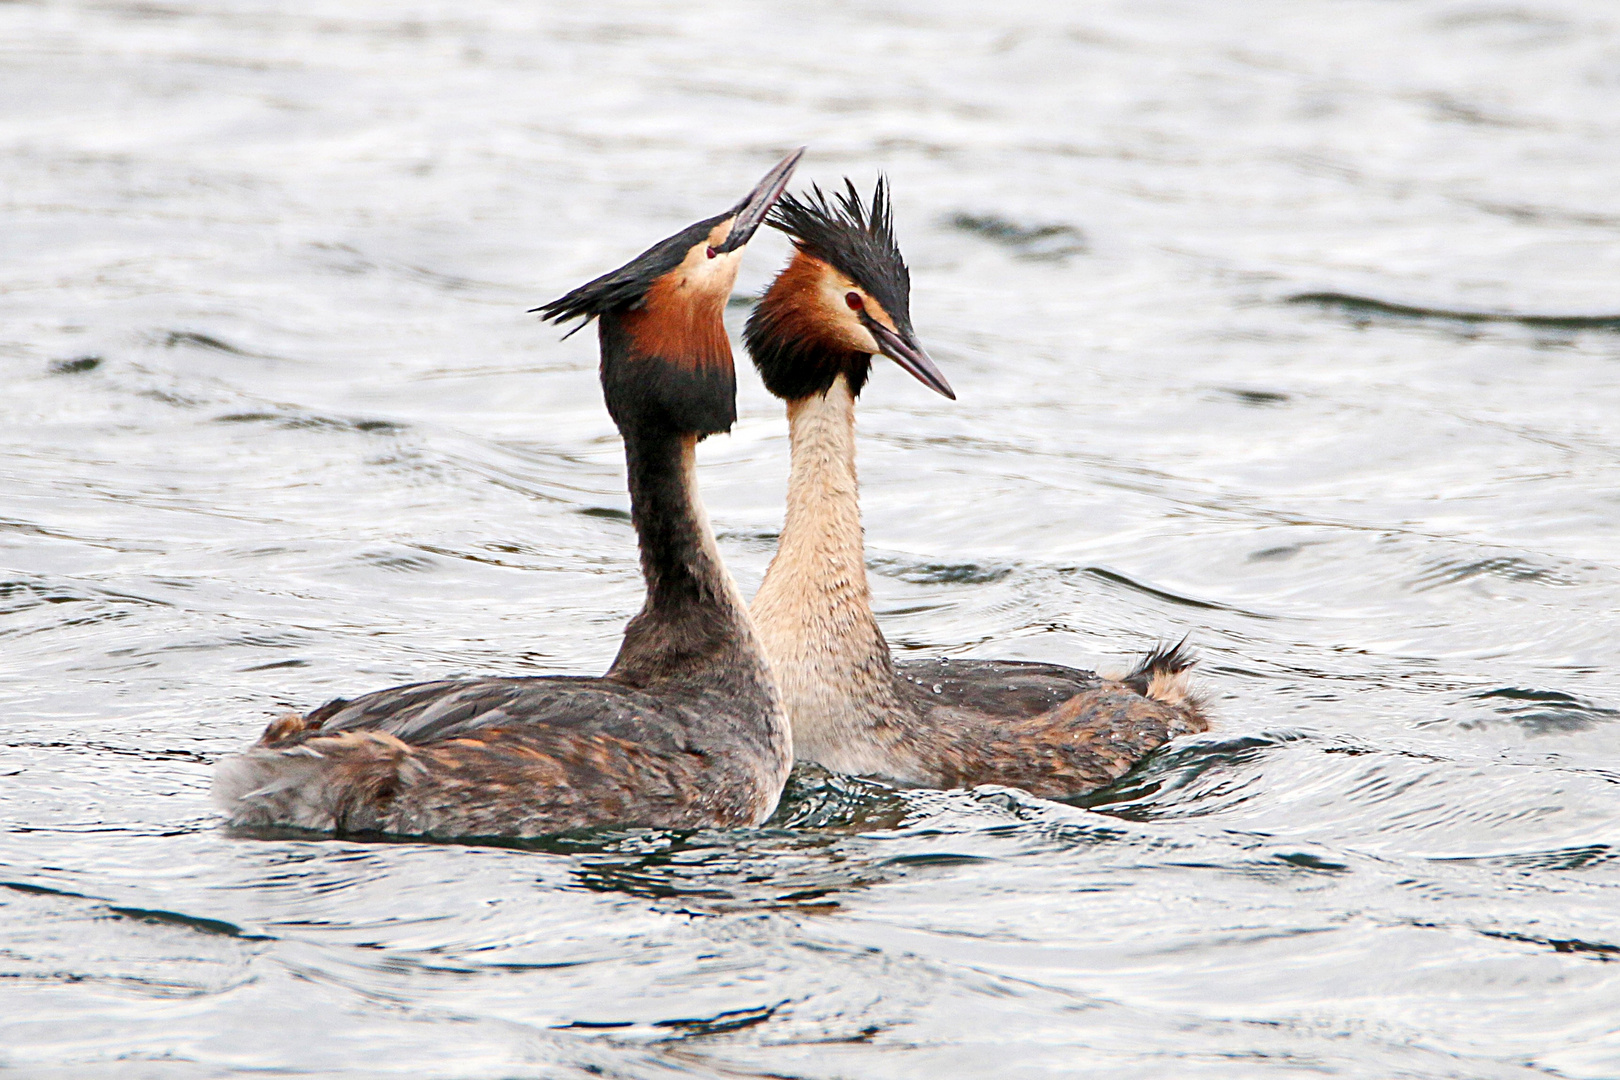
(684, 730)
(1052, 730)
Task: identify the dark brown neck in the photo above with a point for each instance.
(693, 617)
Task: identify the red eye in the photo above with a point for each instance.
(854, 301)
(712, 252)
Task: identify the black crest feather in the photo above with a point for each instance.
(623, 289)
(1163, 660)
(855, 237)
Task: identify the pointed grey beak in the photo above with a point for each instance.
(908, 354)
(750, 213)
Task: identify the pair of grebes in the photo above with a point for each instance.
(709, 701)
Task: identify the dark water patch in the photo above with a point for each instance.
(721, 1023)
(445, 281)
(705, 870)
(648, 882)
(763, 541)
(1544, 712)
(518, 968)
(1143, 793)
(1306, 861)
(1118, 578)
(1257, 398)
(1045, 242)
(18, 596)
(346, 259)
(1518, 693)
(440, 280)
(1364, 310)
(211, 643)
(92, 618)
(143, 753)
(817, 798)
(742, 300)
(142, 11)
(1531, 214)
(1505, 567)
(192, 339)
(190, 922)
(931, 573)
(776, 866)
(1589, 950)
(1505, 15)
(276, 666)
(201, 924)
(1579, 857)
(1069, 835)
(450, 553)
(42, 890)
(607, 513)
(21, 594)
(908, 644)
(77, 366)
(1276, 554)
(300, 421)
(707, 876)
(398, 563)
(931, 858)
(169, 397)
(1451, 108)
(30, 528)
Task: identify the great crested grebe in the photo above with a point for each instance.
(686, 728)
(1052, 730)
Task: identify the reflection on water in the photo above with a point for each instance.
(1291, 326)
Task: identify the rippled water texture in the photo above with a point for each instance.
(1232, 296)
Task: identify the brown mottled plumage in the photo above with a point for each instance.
(685, 730)
(1052, 730)
(532, 756)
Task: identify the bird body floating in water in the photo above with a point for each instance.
(685, 729)
(1052, 730)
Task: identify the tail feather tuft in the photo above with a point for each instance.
(1164, 659)
(343, 782)
(1164, 675)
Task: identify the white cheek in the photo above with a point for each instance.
(716, 274)
(855, 333)
(725, 266)
(861, 337)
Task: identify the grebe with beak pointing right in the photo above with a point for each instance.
(684, 731)
(1052, 730)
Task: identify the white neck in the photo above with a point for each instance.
(813, 612)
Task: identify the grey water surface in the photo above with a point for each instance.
(1291, 324)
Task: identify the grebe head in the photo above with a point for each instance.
(845, 296)
(666, 359)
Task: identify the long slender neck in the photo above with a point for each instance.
(693, 618)
(821, 552)
(814, 608)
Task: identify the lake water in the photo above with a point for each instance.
(1233, 298)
